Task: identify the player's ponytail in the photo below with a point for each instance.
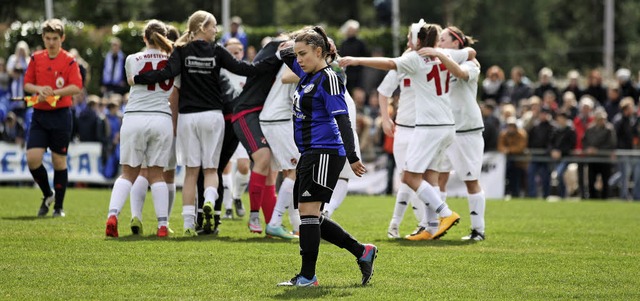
(429, 35)
(155, 32)
(463, 40)
(316, 37)
(196, 23)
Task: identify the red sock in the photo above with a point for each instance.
(268, 202)
(256, 186)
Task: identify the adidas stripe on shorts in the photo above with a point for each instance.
(316, 177)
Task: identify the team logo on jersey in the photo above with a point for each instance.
(308, 88)
(406, 82)
(59, 82)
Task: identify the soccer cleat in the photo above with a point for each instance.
(239, 208)
(228, 214)
(207, 212)
(59, 213)
(420, 234)
(190, 232)
(163, 231)
(112, 226)
(445, 224)
(279, 232)
(393, 231)
(255, 226)
(136, 226)
(295, 233)
(475, 235)
(300, 281)
(46, 203)
(366, 262)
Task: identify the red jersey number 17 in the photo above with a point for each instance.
(435, 75)
(164, 85)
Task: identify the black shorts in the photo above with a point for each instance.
(249, 132)
(316, 177)
(51, 129)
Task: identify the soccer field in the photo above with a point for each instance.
(534, 250)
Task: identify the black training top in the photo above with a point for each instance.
(198, 63)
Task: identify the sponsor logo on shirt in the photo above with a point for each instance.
(308, 88)
(200, 62)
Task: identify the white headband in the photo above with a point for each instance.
(415, 29)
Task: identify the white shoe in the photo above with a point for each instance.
(393, 231)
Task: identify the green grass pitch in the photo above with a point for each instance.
(534, 250)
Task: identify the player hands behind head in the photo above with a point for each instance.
(52, 72)
(324, 137)
(146, 131)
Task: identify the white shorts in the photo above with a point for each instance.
(240, 153)
(171, 165)
(145, 140)
(284, 153)
(347, 172)
(401, 139)
(199, 140)
(427, 148)
(464, 156)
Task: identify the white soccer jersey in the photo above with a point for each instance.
(279, 103)
(148, 98)
(237, 81)
(430, 79)
(464, 106)
(406, 115)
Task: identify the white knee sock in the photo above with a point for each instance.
(240, 183)
(443, 195)
(419, 210)
(338, 196)
(171, 189)
(294, 219)
(477, 204)
(284, 201)
(189, 216)
(210, 194)
(137, 196)
(431, 196)
(227, 200)
(160, 194)
(119, 193)
(402, 199)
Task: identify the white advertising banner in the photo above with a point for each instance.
(492, 179)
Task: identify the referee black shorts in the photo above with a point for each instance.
(249, 132)
(316, 177)
(50, 129)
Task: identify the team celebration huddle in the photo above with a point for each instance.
(195, 103)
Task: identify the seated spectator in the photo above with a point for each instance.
(550, 101)
(491, 126)
(12, 130)
(545, 83)
(507, 110)
(580, 125)
(493, 86)
(539, 143)
(574, 86)
(626, 84)
(569, 104)
(517, 89)
(595, 88)
(612, 106)
(513, 142)
(598, 141)
(563, 140)
(530, 116)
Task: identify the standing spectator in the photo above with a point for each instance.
(539, 140)
(626, 85)
(545, 78)
(600, 136)
(517, 89)
(574, 86)
(236, 31)
(550, 100)
(114, 120)
(513, 142)
(82, 64)
(595, 87)
(5, 93)
(113, 74)
(623, 124)
(580, 124)
(491, 127)
(569, 104)
(92, 125)
(17, 66)
(563, 140)
(493, 86)
(612, 106)
(52, 72)
(12, 130)
(353, 46)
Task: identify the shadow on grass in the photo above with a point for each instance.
(316, 292)
(25, 218)
(430, 243)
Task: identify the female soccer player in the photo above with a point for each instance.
(201, 124)
(146, 130)
(434, 120)
(323, 134)
(465, 153)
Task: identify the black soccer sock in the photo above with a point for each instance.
(309, 244)
(335, 234)
(42, 179)
(60, 180)
(217, 206)
(200, 197)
